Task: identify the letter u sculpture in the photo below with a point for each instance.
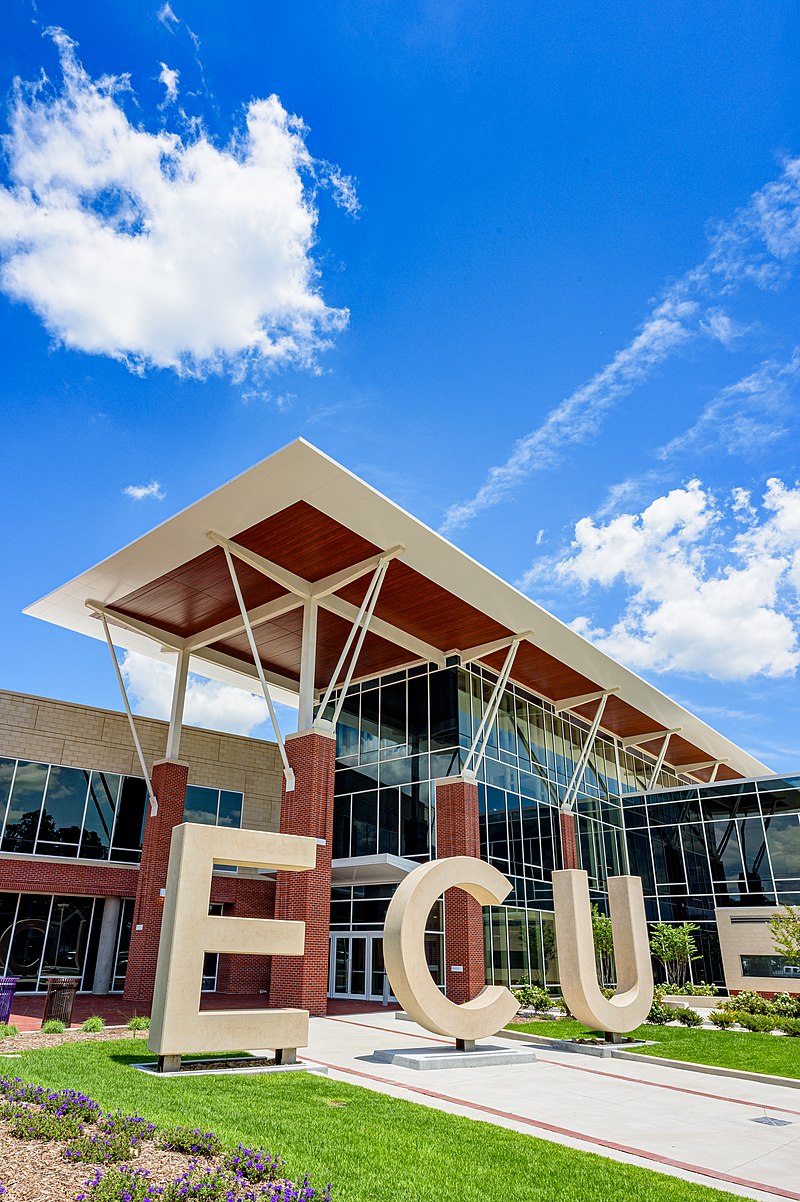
(576, 957)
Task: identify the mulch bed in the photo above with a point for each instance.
(32, 1041)
(35, 1171)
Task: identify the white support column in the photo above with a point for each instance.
(583, 759)
(308, 662)
(474, 757)
(178, 702)
(357, 634)
(288, 771)
(659, 764)
(131, 723)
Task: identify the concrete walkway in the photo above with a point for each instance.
(695, 1126)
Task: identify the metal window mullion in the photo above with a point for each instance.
(131, 723)
(11, 940)
(287, 768)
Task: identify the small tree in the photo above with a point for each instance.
(785, 928)
(675, 948)
(603, 945)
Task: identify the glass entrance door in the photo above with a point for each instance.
(356, 967)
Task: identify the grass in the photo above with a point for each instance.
(372, 1147)
(747, 1050)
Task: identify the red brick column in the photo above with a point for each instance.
(302, 981)
(458, 834)
(569, 846)
(169, 785)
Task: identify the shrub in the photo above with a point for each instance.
(70, 1103)
(53, 1026)
(253, 1164)
(95, 1023)
(789, 1026)
(722, 1018)
(748, 1002)
(140, 1022)
(533, 997)
(787, 1004)
(701, 989)
(136, 1185)
(7, 1029)
(38, 1124)
(687, 1017)
(191, 1140)
(756, 1022)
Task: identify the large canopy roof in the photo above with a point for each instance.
(299, 519)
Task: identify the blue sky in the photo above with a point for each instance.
(534, 274)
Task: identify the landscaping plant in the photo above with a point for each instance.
(93, 1024)
(603, 946)
(53, 1026)
(785, 929)
(675, 948)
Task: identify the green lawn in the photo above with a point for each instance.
(748, 1050)
(370, 1146)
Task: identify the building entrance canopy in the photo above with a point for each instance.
(308, 540)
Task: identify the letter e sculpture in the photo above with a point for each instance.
(188, 932)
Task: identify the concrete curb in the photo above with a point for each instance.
(612, 1053)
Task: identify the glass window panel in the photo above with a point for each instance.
(230, 808)
(341, 827)
(389, 821)
(201, 805)
(518, 960)
(783, 840)
(27, 942)
(696, 857)
(725, 857)
(418, 714)
(370, 741)
(754, 854)
(64, 803)
(670, 873)
(499, 945)
(99, 820)
(22, 819)
(8, 908)
(779, 802)
(414, 819)
(347, 726)
(641, 861)
(129, 827)
(393, 716)
(365, 824)
(123, 943)
(549, 949)
(67, 937)
(444, 709)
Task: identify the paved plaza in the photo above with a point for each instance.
(691, 1125)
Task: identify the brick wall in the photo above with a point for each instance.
(458, 834)
(302, 981)
(244, 899)
(569, 846)
(34, 875)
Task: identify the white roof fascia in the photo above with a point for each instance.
(300, 472)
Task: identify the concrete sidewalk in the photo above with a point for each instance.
(689, 1125)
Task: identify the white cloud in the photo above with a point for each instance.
(759, 245)
(209, 704)
(710, 587)
(167, 17)
(169, 77)
(163, 249)
(142, 492)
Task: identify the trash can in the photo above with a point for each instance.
(60, 998)
(7, 987)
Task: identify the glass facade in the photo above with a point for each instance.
(53, 810)
(43, 936)
(732, 844)
(398, 734)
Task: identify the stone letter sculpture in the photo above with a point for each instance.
(576, 957)
(188, 932)
(404, 950)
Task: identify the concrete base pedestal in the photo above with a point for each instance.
(481, 1056)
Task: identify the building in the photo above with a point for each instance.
(441, 712)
